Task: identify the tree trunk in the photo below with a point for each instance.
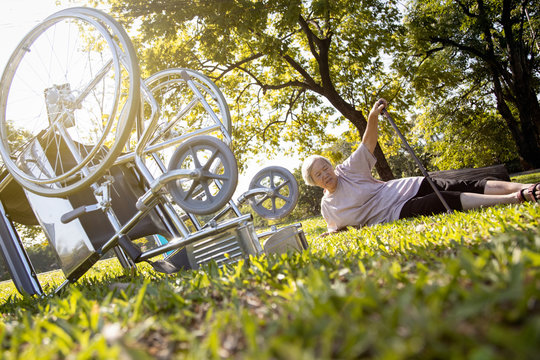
(359, 121)
(524, 132)
(524, 136)
(528, 113)
(522, 91)
(328, 90)
(382, 167)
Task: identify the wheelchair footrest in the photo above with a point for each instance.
(130, 248)
(172, 264)
(289, 238)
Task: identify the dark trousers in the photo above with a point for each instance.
(426, 202)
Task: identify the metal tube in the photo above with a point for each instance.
(193, 237)
(129, 157)
(207, 107)
(418, 162)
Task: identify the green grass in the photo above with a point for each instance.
(454, 286)
(527, 178)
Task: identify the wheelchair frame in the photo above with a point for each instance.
(104, 178)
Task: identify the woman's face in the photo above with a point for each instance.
(323, 175)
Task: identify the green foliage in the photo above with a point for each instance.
(458, 135)
(286, 67)
(475, 72)
(309, 200)
(532, 178)
(448, 286)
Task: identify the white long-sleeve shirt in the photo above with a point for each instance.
(360, 199)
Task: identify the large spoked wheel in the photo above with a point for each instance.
(68, 99)
(189, 102)
(281, 192)
(217, 175)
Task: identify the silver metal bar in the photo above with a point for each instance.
(159, 183)
(178, 116)
(253, 192)
(211, 245)
(418, 162)
(61, 287)
(144, 138)
(100, 74)
(194, 237)
(206, 106)
(22, 271)
(5, 181)
(113, 241)
(130, 157)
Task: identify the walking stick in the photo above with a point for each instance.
(422, 168)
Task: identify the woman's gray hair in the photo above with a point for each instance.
(308, 164)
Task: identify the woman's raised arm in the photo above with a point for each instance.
(371, 134)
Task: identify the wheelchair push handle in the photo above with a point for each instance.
(78, 212)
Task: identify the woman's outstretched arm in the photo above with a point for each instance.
(371, 134)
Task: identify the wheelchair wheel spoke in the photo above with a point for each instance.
(274, 207)
(210, 160)
(280, 186)
(217, 176)
(261, 200)
(195, 158)
(189, 193)
(207, 191)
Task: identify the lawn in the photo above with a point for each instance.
(454, 286)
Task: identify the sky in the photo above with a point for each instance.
(19, 17)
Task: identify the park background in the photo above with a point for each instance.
(303, 82)
(300, 78)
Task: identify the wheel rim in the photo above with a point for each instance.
(218, 175)
(50, 103)
(282, 196)
(174, 96)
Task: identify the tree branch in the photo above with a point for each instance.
(265, 87)
(489, 59)
(239, 64)
(466, 9)
(321, 55)
(310, 36)
(312, 85)
(293, 98)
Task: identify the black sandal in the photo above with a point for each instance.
(532, 191)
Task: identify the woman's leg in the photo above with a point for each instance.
(501, 192)
(474, 201)
(520, 192)
(430, 204)
(496, 187)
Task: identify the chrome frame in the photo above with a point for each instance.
(223, 242)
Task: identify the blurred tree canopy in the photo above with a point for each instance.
(309, 200)
(461, 75)
(474, 67)
(289, 67)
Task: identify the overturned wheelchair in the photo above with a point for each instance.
(99, 157)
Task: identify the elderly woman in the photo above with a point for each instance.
(352, 197)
